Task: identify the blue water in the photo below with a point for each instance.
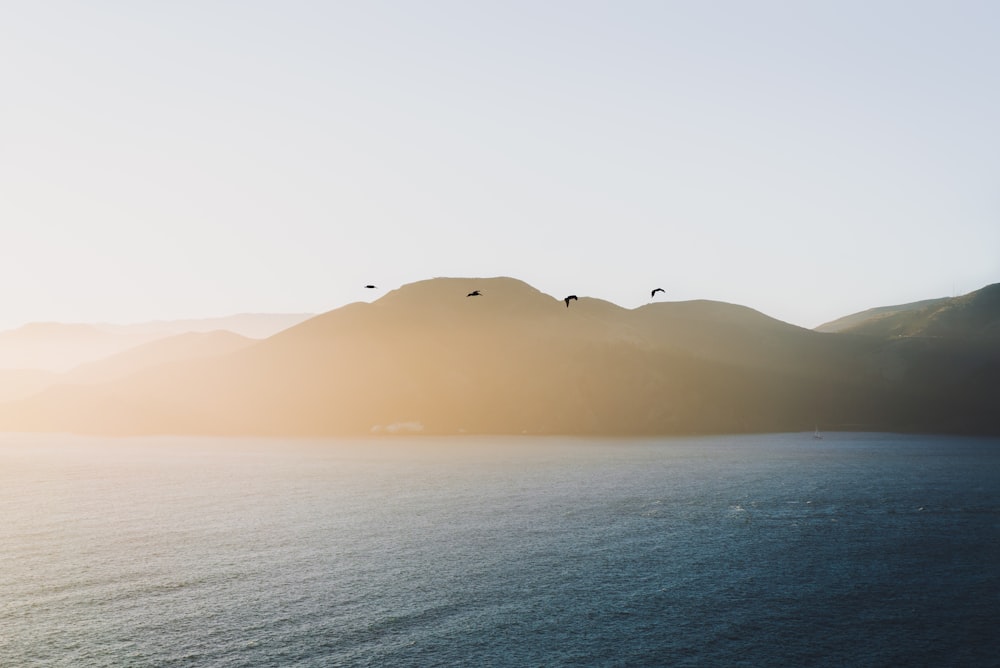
(855, 550)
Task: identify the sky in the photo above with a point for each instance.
(167, 160)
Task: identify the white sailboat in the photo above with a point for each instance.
(817, 435)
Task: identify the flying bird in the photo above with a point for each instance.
(568, 299)
(370, 287)
(474, 293)
(653, 293)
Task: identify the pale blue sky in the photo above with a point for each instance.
(165, 160)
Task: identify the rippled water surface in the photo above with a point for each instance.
(858, 549)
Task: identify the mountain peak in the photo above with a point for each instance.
(455, 289)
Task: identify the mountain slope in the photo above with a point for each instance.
(188, 346)
(879, 313)
(250, 325)
(975, 315)
(22, 383)
(60, 347)
(513, 360)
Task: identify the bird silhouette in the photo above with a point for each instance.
(568, 299)
(475, 293)
(653, 293)
(370, 287)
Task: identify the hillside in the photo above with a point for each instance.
(23, 383)
(975, 315)
(181, 347)
(59, 347)
(249, 325)
(879, 313)
(513, 360)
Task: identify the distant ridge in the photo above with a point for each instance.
(51, 346)
(869, 316)
(251, 325)
(425, 358)
(180, 347)
(60, 347)
(974, 315)
(22, 383)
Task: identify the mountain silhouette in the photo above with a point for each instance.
(424, 358)
(975, 315)
(59, 347)
(187, 346)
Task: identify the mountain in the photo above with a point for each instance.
(427, 358)
(59, 347)
(22, 383)
(975, 315)
(848, 322)
(181, 347)
(250, 325)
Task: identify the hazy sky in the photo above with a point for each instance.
(177, 159)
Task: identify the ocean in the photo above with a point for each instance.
(761, 550)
